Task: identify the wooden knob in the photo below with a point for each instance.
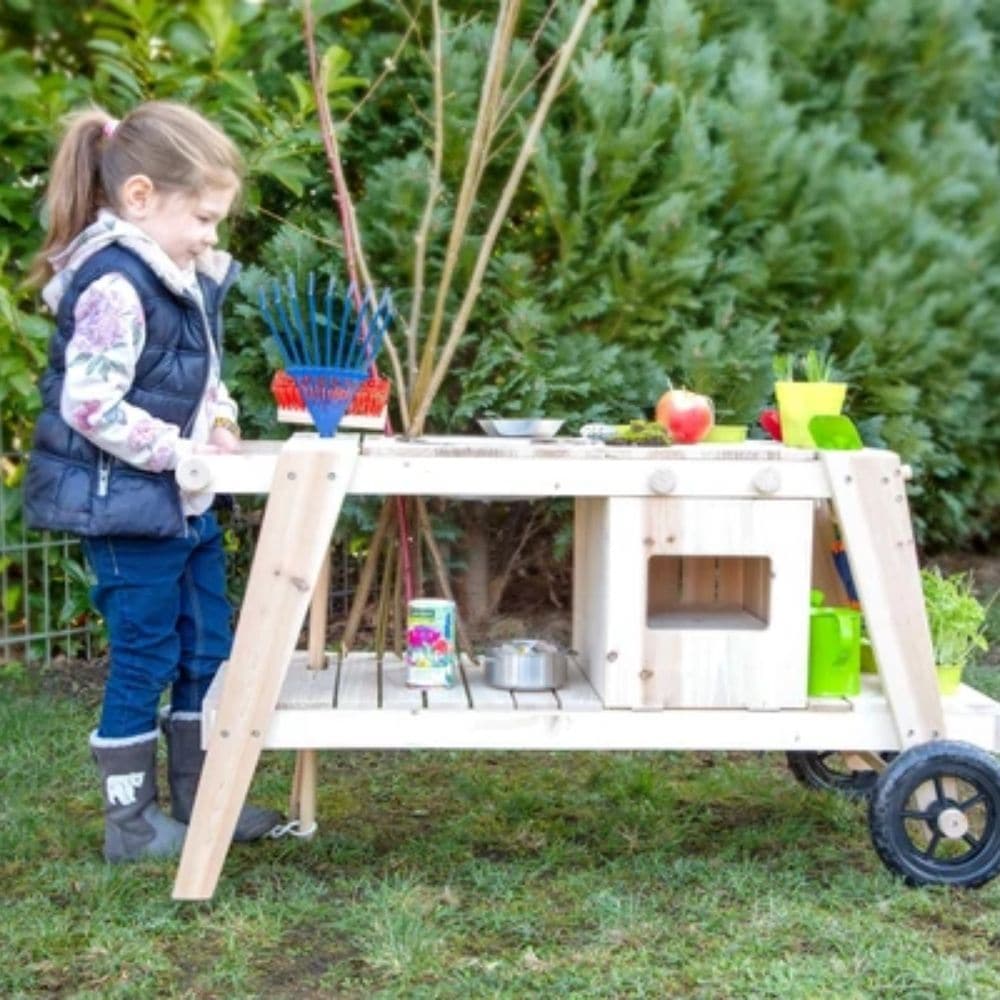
(193, 475)
(767, 480)
(663, 481)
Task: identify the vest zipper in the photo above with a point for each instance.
(210, 345)
(103, 473)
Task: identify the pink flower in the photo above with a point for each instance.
(99, 322)
(84, 413)
(159, 460)
(442, 646)
(142, 435)
(422, 635)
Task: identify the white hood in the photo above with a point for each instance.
(108, 229)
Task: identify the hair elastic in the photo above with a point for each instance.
(109, 127)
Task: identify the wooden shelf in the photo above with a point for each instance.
(709, 617)
(364, 703)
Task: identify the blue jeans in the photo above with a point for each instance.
(164, 601)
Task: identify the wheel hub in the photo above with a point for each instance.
(953, 823)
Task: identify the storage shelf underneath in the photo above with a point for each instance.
(706, 618)
(362, 702)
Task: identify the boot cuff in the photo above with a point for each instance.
(186, 716)
(122, 741)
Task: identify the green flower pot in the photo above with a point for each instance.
(726, 434)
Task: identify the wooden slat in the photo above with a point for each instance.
(699, 580)
(305, 687)
(449, 699)
(396, 694)
(478, 467)
(577, 695)
(870, 502)
(733, 582)
(484, 696)
(858, 724)
(535, 701)
(357, 687)
(310, 482)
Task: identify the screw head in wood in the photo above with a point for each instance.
(767, 480)
(663, 481)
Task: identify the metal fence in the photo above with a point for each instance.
(44, 582)
(38, 594)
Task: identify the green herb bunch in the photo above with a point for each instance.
(815, 366)
(956, 617)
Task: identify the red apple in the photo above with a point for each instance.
(771, 422)
(686, 416)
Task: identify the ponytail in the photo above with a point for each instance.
(75, 192)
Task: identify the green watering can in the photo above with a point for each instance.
(834, 649)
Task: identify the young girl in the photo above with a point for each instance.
(133, 384)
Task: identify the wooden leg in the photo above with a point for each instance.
(306, 815)
(295, 796)
(310, 481)
(303, 800)
(869, 498)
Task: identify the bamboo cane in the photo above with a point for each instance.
(422, 404)
(367, 576)
(478, 147)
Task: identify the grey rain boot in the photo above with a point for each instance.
(184, 761)
(134, 827)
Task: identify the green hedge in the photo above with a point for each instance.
(720, 182)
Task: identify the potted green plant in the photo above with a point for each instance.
(957, 622)
(818, 393)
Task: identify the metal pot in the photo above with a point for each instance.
(526, 665)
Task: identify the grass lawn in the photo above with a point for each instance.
(479, 875)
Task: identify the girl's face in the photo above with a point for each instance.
(183, 224)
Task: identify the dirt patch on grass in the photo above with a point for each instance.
(80, 680)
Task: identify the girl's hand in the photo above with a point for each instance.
(224, 439)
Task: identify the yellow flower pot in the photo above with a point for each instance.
(949, 676)
(799, 402)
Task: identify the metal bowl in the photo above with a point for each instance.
(525, 665)
(533, 427)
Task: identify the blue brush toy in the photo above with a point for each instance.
(329, 349)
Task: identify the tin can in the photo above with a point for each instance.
(431, 660)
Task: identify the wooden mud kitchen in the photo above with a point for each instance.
(692, 572)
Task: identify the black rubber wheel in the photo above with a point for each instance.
(934, 815)
(828, 771)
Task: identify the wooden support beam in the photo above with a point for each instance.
(869, 496)
(311, 478)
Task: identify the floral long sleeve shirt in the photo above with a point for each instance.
(108, 339)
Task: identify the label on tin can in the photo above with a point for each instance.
(431, 660)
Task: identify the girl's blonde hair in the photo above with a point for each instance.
(175, 147)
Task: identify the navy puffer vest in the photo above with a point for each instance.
(71, 485)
